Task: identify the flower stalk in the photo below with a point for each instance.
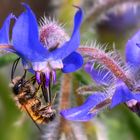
(104, 59)
(65, 103)
(5, 46)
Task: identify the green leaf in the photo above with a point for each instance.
(6, 59)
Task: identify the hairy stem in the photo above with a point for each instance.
(65, 103)
(104, 59)
(65, 91)
(6, 47)
(78, 97)
(90, 89)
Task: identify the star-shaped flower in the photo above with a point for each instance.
(117, 90)
(35, 56)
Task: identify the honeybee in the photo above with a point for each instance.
(25, 95)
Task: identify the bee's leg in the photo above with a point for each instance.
(43, 121)
(36, 106)
(34, 81)
(35, 93)
(53, 100)
(40, 120)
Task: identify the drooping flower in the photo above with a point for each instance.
(91, 107)
(38, 55)
(121, 89)
(124, 17)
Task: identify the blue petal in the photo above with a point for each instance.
(25, 37)
(122, 94)
(74, 41)
(73, 62)
(7, 48)
(132, 50)
(137, 96)
(4, 31)
(82, 113)
(27, 65)
(99, 76)
(4, 35)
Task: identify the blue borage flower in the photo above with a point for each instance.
(124, 18)
(120, 93)
(26, 44)
(84, 112)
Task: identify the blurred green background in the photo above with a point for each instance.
(115, 124)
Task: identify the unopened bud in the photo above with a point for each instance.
(52, 35)
(134, 106)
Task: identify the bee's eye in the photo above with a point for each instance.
(20, 83)
(17, 87)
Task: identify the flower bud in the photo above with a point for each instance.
(134, 106)
(52, 35)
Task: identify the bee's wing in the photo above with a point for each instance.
(32, 118)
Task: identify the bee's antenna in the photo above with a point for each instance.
(14, 67)
(37, 90)
(24, 75)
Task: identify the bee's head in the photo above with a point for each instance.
(17, 84)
